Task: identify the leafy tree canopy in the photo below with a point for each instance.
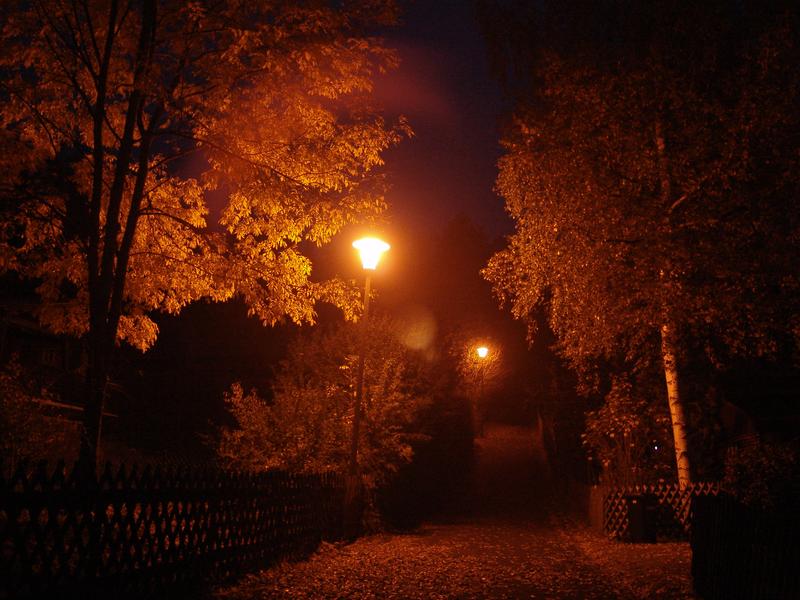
(609, 245)
(123, 123)
(158, 151)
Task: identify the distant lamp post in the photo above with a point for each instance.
(480, 366)
(370, 250)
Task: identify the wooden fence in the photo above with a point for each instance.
(140, 533)
(666, 506)
(740, 552)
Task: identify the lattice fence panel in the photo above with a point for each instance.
(136, 532)
(670, 505)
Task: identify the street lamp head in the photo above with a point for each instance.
(370, 249)
(482, 351)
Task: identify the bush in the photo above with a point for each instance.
(764, 474)
(26, 430)
(307, 426)
(630, 437)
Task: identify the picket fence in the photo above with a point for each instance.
(146, 532)
(668, 505)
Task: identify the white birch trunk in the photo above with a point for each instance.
(676, 412)
(668, 343)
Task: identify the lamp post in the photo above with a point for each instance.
(370, 250)
(482, 352)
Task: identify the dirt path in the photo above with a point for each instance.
(512, 542)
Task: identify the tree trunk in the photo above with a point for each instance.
(96, 378)
(676, 411)
(668, 343)
(108, 264)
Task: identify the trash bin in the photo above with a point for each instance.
(641, 518)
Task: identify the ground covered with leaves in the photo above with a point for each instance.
(482, 559)
(660, 570)
(514, 541)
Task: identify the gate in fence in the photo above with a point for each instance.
(142, 532)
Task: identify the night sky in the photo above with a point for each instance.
(446, 91)
(446, 171)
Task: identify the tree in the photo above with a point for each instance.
(636, 171)
(156, 152)
(307, 425)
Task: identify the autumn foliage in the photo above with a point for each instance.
(158, 152)
(307, 424)
(652, 179)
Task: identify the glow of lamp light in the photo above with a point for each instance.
(482, 351)
(370, 250)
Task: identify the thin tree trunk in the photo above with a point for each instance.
(668, 341)
(676, 411)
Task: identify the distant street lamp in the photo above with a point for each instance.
(481, 365)
(370, 250)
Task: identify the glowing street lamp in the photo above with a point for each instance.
(482, 351)
(370, 249)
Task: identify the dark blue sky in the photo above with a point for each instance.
(446, 91)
